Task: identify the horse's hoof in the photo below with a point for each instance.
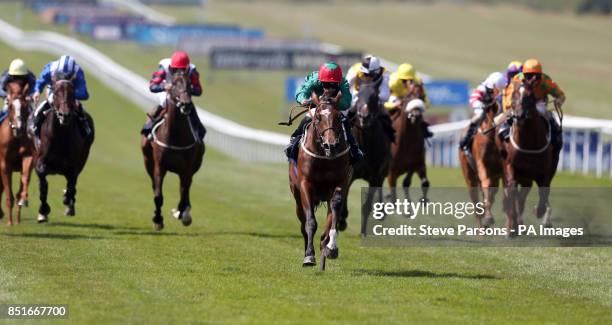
(342, 225)
(23, 203)
(488, 222)
(333, 253)
(158, 226)
(42, 218)
(186, 219)
(511, 235)
(69, 212)
(547, 224)
(309, 261)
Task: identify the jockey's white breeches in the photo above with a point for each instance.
(162, 98)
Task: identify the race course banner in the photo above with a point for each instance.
(448, 92)
(272, 59)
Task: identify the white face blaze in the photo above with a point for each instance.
(17, 107)
(325, 112)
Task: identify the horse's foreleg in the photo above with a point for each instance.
(522, 194)
(158, 198)
(406, 185)
(43, 187)
(543, 209)
(6, 182)
(70, 194)
(392, 181)
(422, 172)
(510, 202)
(488, 196)
(329, 245)
(342, 224)
(26, 172)
(184, 207)
(311, 223)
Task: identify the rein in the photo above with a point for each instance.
(314, 155)
(529, 151)
(168, 146)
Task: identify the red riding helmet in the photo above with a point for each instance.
(330, 72)
(179, 60)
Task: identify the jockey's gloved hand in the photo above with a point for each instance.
(168, 86)
(306, 102)
(36, 97)
(559, 101)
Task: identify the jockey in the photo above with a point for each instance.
(18, 70)
(161, 82)
(401, 84)
(370, 71)
(544, 86)
(514, 68)
(483, 96)
(328, 76)
(66, 66)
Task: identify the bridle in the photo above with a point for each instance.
(61, 116)
(523, 116)
(319, 135)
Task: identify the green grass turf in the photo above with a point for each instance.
(240, 261)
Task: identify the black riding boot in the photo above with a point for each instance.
(153, 118)
(356, 153)
(197, 124)
(466, 142)
(39, 118)
(556, 133)
(291, 149)
(425, 129)
(387, 125)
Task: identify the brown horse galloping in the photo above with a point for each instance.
(174, 147)
(16, 148)
(408, 150)
(63, 148)
(321, 175)
(528, 157)
(483, 170)
(369, 133)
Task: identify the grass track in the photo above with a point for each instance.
(240, 260)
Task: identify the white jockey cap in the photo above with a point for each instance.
(495, 80)
(370, 64)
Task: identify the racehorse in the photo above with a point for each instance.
(482, 170)
(16, 148)
(174, 147)
(321, 174)
(408, 150)
(369, 133)
(528, 157)
(63, 148)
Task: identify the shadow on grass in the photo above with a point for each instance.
(205, 234)
(89, 226)
(54, 236)
(423, 274)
